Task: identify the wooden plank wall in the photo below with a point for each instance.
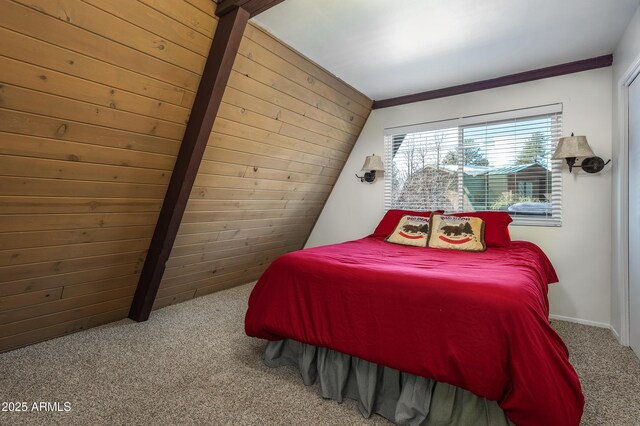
(283, 133)
(94, 98)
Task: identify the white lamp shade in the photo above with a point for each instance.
(373, 162)
(573, 146)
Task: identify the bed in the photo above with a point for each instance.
(477, 321)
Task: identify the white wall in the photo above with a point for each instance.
(624, 57)
(580, 249)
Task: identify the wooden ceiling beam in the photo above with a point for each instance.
(254, 7)
(553, 71)
(233, 17)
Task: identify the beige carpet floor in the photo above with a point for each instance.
(191, 364)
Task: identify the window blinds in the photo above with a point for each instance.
(498, 161)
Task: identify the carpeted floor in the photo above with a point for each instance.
(192, 364)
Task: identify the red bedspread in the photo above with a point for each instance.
(475, 320)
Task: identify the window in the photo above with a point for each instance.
(498, 161)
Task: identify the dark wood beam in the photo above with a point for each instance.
(553, 71)
(252, 6)
(224, 6)
(224, 48)
(259, 6)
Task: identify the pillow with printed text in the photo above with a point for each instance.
(457, 233)
(411, 231)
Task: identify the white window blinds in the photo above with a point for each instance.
(498, 161)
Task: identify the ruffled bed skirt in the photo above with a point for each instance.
(403, 398)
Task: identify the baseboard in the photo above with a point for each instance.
(582, 321)
(591, 323)
(616, 335)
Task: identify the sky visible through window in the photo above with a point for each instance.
(499, 143)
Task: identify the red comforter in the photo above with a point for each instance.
(475, 320)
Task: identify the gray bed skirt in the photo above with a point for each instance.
(402, 398)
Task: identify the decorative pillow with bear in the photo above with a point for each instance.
(457, 233)
(411, 231)
(496, 226)
(391, 218)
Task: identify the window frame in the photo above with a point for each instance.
(554, 111)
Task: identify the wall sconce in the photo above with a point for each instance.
(371, 165)
(573, 147)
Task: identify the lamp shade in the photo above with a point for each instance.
(373, 162)
(573, 146)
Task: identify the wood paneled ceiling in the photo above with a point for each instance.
(94, 99)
